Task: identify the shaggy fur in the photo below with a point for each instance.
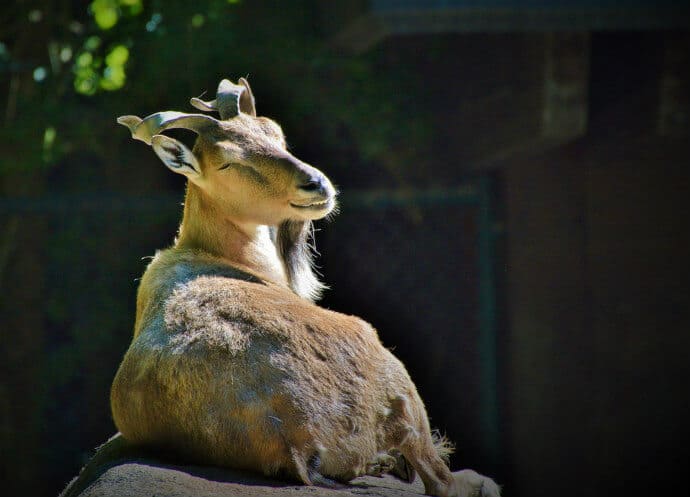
(232, 364)
(293, 241)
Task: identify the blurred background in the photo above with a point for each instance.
(514, 179)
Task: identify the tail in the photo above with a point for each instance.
(106, 456)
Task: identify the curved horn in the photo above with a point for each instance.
(231, 99)
(144, 129)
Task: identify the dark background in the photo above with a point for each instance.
(514, 182)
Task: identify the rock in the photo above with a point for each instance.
(138, 479)
(117, 470)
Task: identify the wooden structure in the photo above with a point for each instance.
(581, 112)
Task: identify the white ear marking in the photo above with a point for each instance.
(175, 155)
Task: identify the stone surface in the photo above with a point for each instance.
(118, 469)
(139, 479)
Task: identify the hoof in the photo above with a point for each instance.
(384, 463)
(471, 484)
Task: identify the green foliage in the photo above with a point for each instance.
(122, 56)
(107, 13)
(95, 69)
(72, 70)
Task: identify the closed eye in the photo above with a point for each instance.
(246, 171)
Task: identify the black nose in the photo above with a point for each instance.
(314, 185)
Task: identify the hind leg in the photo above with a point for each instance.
(410, 432)
(413, 439)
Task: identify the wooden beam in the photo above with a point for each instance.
(566, 76)
(673, 115)
(385, 18)
(564, 87)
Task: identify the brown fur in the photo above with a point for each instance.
(232, 364)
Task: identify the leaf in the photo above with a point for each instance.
(118, 56)
(105, 13)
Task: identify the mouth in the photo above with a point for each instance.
(316, 206)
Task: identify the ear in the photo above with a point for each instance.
(247, 101)
(176, 156)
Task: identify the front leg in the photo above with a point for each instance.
(392, 463)
(381, 464)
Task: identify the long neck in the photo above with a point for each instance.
(247, 245)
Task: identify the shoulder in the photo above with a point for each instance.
(180, 266)
(178, 275)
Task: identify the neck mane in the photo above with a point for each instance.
(294, 242)
(280, 254)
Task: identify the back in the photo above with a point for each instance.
(227, 355)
